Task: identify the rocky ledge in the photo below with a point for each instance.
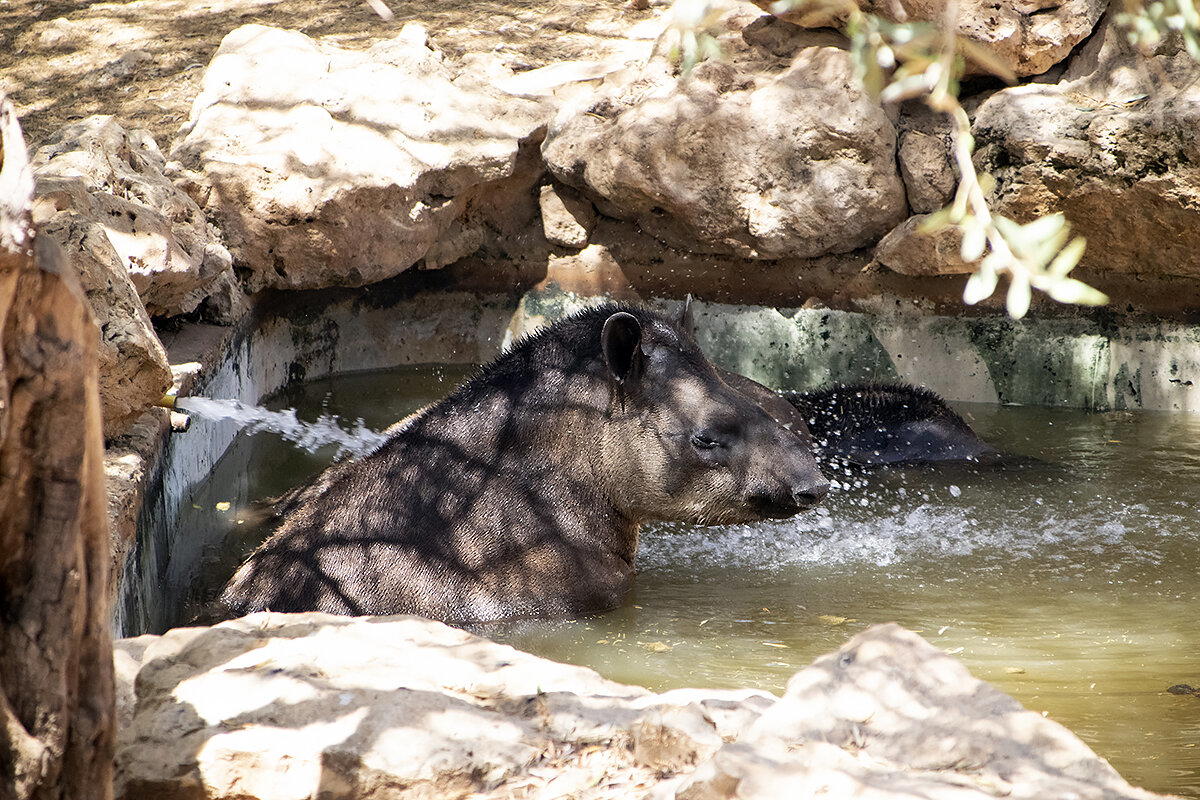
(291, 706)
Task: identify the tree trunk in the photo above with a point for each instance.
(56, 685)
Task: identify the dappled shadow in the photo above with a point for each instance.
(521, 493)
(925, 726)
(321, 727)
(62, 71)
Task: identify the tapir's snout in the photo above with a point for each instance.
(809, 496)
(787, 501)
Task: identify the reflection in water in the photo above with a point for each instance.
(1068, 580)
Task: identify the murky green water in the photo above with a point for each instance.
(1071, 582)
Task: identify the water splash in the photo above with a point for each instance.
(356, 439)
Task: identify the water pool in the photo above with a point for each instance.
(1069, 579)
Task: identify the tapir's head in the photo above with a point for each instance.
(681, 444)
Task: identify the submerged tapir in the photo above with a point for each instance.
(521, 494)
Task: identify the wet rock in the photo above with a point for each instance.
(753, 163)
(115, 178)
(909, 251)
(1112, 146)
(1027, 37)
(889, 715)
(567, 218)
(328, 167)
(133, 365)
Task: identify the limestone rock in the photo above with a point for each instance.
(1112, 146)
(910, 252)
(1027, 36)
(926, 158)
(567, 218)
(750, 163)
(133, 365)
(172, 255)
(889, 715)
(291, 706)
(327, 167)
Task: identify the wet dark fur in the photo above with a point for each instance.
(493, 502)
(881, 422)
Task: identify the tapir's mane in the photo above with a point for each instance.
(896, 402)
(579, 331)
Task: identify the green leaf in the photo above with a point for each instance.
(1019, 295)
(1069, 290)
(1068, 257)
(937, 220)
(973, 243)
(1042, 228)
(986, 59)
(979, 286)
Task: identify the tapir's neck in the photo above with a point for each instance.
(548, 439)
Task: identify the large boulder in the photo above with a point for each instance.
(326, 167)
(1027, 36)
(754, 163)
(296, 706)
(292, 706)
(1114, 147)
(172, 255)
(890, 716)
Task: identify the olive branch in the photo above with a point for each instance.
(903, 60)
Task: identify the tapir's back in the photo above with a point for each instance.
(434, 526)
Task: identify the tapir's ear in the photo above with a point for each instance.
(621, 341)
(686, 323)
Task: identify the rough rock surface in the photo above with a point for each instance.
(161, 237)
(750, 163)
(890, 716)
(286, 706)
(567, 218)
(133, 365)
(926, 158)
(1027, 36)
(295, 706)
(1114, 147)
(909, 251)
(328, 167)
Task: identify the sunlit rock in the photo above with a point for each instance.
(567, 218)
(292, 706)
(1114, 147)
(325, 166)
(172, 255)
(754, 163)
(891, 716)
(133, 365)
(1027, 37)
(908, 250)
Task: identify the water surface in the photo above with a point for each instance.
(1070, 581)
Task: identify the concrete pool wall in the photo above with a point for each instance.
(1056, 362)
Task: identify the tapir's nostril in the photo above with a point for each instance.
(811, 495)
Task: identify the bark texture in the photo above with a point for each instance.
(56, 684)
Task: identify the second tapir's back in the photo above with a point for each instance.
(522, 492)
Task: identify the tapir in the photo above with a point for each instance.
(521, 494)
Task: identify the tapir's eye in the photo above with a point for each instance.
(704, 441)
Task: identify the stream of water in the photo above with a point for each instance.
(1070, 581)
